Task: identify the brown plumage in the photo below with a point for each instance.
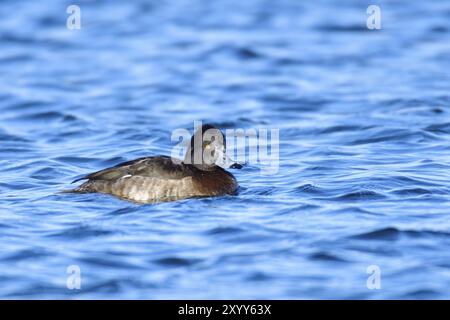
(158, 179)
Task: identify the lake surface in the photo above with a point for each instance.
(364, 169)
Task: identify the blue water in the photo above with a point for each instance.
(364, 176)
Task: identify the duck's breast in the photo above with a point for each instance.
(215, 183)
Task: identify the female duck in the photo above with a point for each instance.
(161, 178)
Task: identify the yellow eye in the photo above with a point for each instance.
(206, 144)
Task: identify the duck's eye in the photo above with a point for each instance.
(206, 144)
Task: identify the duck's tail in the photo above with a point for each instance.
(84, 188)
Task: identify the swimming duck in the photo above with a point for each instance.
(161, 178)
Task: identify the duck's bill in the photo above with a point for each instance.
(226, 162)
(236, 166)
(229, 164)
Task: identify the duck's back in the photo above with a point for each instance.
(156, 179)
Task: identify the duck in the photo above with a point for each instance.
(161, 178)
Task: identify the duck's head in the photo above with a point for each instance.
(208, 150)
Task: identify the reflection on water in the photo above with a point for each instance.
(364, 148)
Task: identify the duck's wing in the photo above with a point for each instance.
(157, 167)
